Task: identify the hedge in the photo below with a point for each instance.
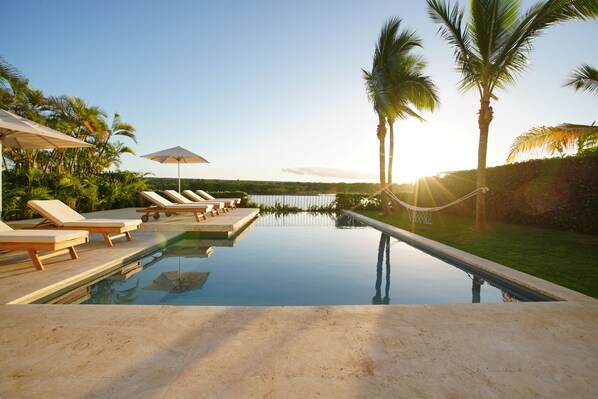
(558, 193)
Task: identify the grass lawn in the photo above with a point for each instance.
(564, 258)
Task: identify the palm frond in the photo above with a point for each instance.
(549, 139)
(9, 75)
(458, 37)
(585, 78)
(512, 59)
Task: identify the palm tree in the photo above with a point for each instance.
(395, 85)
(118, 128)
(10, 77)
(409, 88)
(85, 122)
(585, 78)
(491, 49)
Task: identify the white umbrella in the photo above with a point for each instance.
(176, 155)
(19, 132)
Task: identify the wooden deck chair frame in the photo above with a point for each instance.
(57, 248)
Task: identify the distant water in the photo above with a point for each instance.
(300, 201)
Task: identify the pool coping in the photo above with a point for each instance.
(525, 280)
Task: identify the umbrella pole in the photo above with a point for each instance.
(179, 168)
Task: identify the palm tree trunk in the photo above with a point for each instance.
(381, 133)
(50, 158)
(484, 119)
(391, 155)
(102, 148)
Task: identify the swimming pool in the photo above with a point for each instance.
(301, 259)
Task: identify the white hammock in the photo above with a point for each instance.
(419, 214)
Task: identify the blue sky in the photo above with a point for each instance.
(273, 90)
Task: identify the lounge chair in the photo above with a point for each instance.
(229, 203)
(161, 204)
(181, 199)
(60, 242)
(233, 201)
(56, 213)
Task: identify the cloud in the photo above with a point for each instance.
(331, 173)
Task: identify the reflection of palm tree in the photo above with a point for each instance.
(383, 246)
(476, 287)
(507, 297)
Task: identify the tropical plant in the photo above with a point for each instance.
(491, 49)
(555, 139)
(566, 136)
(584, 78)
(396, 87)
(10, 78)
(114, 151)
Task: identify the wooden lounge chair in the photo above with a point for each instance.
(181, 199)
(228, 203)
(60, 242)
(233, 201)
(161, 204)
(59, 215)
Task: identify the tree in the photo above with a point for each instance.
(491, 49)
(394, 86)
(409, 88)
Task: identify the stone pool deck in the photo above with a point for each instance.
(517, 350)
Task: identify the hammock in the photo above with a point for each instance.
(423, 215)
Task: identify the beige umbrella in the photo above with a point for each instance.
(176, 155)
(18, 132)
(178, 282)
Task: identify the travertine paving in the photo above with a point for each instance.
(516, 350)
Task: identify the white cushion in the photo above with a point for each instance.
(56, 211)
(5, 227)
(41, 236)
(155, 199)
(104, 223)
(180, 199)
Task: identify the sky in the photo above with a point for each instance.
(273, 90)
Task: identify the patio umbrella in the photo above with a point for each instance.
(174, 281)
(19, 132)
(177, 281)
(176, 155)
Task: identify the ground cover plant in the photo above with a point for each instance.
(562, 257)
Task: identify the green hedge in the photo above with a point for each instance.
(559, 193)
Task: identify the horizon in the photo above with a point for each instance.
(262, 98)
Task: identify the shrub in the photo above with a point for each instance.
(559, 193)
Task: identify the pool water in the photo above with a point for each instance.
(304, 259)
